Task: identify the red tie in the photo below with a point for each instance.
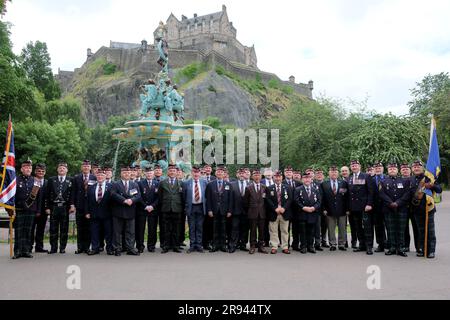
(197, 192)
(99, 194)
(279, 195)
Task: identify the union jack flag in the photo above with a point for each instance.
(8, 172)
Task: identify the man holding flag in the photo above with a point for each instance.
(424, 187)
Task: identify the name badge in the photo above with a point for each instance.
(91, 182)
(227, 187)
(360, 182)
(156, 189)
(342, 190)
(264, 195)
(272, 193)
(36, 184)
(400, 185)
(133, 192)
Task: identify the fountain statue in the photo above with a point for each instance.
(160, 123)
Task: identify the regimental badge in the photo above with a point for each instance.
(227, 187)
(91, 182)
(133, 192)
(400, 185)
(272, 193)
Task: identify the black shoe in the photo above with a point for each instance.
(223, 249)
(303, 250)
(16, 256)
(431, 255)
(342, 248)
(81, 251)
(420, 253)
(318, 248)
(40, 250)
(110, 253)
(312, 250)
(402, 253)
(346, 244)
(354, 246)
(27, 255)
(133, 253)
(177, 250)
(406, 250)
(183, 244)
(213, 250)
(232, 250)
(151, 249)
(93, 252)
(390, 252)
(118, 253)
(62, 251)
(52, 252)
(200, 250)
(165, 250)
(369, 251)
(101, 249)
(358, 249)
(332, 248)
(379, 249)
(124, 250)
(141, 250)
(325, 245)
(296, 248)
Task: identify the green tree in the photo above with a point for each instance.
(37, 64)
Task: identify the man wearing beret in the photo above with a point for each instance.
(98, 212)
(279, 203)
(208, 222)
(81, 182)
(376, 218)
(219, 208)
(308, 200)
(335, 206)
(394, 192)
(170, 197)
(405, 171)
(320, 238)
(125, 196)
(239, 235)
(59, 205)
(293, 223)
(41, 217)
(26, 207)
(361, 191)
(421, 203)
(255, 195)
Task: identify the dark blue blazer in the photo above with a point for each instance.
(361, 191)
(336, 205)
(219, 202)
(79, 198)
(188, 198)
(302, 200)
(118, 195)
(149, 195)
(102, 209)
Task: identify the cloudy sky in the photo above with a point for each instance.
(351, 49)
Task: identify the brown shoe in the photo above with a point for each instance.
(262, 250)
(273, 251)
(251, 251)
(286, 251)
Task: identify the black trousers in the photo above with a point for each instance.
(233, 231)
(353, 229)
(244, 228)
(208, 231)
(374, 219)
(182, 228)
(415, 229)
(357, 217)
(321, 230)
(59, 228)
(162, 232)
(23, 224)
(151, 220)
(257, 232)
(123, 225)
(380, 226)
(293, 225)
(266, 233)
(219, 230)
(83, 231)
(37, 233)
(172, 229)
(98, 227)
(306, 234)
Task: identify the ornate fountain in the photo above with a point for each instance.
(160, 125)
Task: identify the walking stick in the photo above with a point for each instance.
(425, 245)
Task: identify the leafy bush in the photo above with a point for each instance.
(109, 68)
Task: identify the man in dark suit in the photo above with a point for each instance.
(360, 203)
(219, 208)
(98, 212)
(321, 227)
(279, 203)
(335, 207)
(208, 222)
(195, 207)
(308, 201)
(80, 186)
(40, 221)
(125, 196)
(405, 171)
(293, 224)
(395, 194)
(377, 216)
(239, 213)
(255, 195)
(147, 212)
(158, 178)
(59, 205)
(170, 195)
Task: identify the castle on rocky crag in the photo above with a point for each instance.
(209, 39)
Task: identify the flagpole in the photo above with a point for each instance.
(10, 211)
(425, 241)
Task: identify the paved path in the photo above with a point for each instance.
(326, 275)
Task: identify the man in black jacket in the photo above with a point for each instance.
(147, 212)
(279, 199)
(239, 211)
(98, 212)
(80, 187)
(219, 207)
(360, 187)
(37, 235)
(125, 196)
(335, 206)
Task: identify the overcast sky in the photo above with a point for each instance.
(351, 49)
